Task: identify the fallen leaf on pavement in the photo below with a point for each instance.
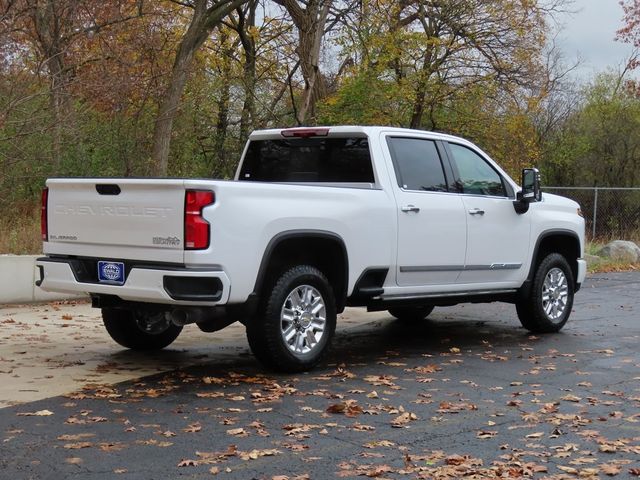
(455, 460)
(402, 419)
(379, 443)
(78, 445)
(39, 413)
(255, 454)
(568, 469)
(610, 469)
(194, 427)
(571, 398)
(74, 438)
(348, 408)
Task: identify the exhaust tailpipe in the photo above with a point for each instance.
(208, 319)
(185, 316)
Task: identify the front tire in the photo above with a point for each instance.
(411, 314)
(298, 323)
(548, 306)
(139, 329)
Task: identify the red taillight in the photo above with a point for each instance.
(305, 132)
(196, 228)
(44, 226)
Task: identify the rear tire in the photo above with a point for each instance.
(139, 330)
(411, 314)
(298, 323)
(548, 306)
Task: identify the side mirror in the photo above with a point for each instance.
(531, 185)
(530, 190)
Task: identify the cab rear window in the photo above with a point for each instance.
(335, 160)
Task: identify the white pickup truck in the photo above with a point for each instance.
(316, 219)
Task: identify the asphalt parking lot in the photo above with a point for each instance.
(465, 394)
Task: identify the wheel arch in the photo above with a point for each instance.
(564, 242)
(322, 249)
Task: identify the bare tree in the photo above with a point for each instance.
(243, 23)
(51, 31)
(310, 18)
(435, 48)
(206, 16)
(52, 24)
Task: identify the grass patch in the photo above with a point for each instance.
(607, 267)
(605, 264)
(20, 231)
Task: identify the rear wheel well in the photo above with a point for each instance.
(325, 252)
(565, 244)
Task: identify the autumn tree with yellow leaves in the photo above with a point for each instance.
(174, 87)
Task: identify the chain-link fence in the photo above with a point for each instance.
(610, 213)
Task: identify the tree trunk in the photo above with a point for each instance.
(311, 23)
(166, 113)
(191, 42)
(430, 64)
(222, 124)
(248, 71)
(204, 20)
(418, 108)
(47, 19)
(60, 107)
(421, 91)
(219, 168)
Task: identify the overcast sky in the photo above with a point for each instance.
(590, 34)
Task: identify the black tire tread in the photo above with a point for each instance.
(122, 328)
(263, 332)
(411, 314)
(529, 310)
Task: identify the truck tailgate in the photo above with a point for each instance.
(141, 219)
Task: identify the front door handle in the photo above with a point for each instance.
(476, 211)
(410, 208)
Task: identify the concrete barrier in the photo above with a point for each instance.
(18, 274)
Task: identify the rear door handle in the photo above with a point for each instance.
(476, 211)
(410, 208)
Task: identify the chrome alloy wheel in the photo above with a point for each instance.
(303, 319)
(555, 294)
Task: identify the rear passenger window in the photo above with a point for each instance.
(477, 177)
(417, 164)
